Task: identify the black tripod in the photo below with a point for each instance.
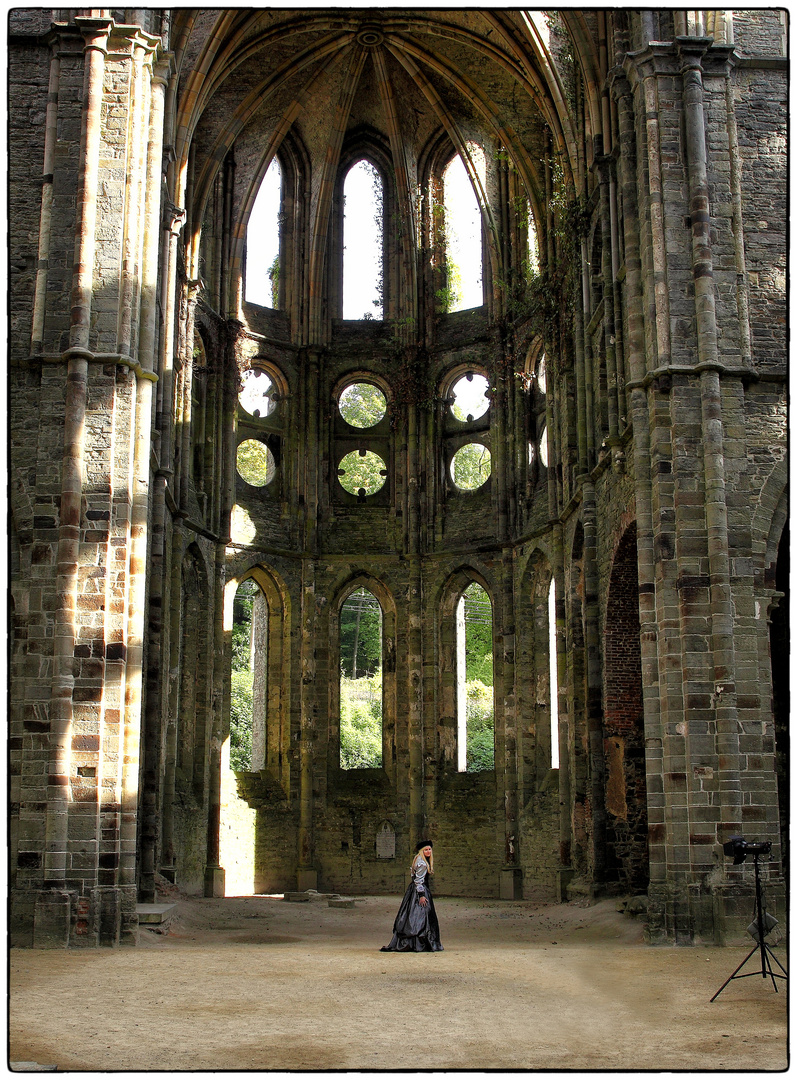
(760, 927)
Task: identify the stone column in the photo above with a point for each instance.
(417, 808)
(49, 927)
(307, 873)
(139, 289)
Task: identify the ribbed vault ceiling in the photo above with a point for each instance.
(324, 74)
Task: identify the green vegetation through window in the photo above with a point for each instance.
(471, 466)
(242, 677)
(361, 681)
(362, 405)
(255, 463)
(362, 472)
(475, 704)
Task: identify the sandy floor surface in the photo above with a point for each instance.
(260, 983)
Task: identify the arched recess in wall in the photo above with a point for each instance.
(776, 574)
(580, 793)
(202, 416)
(362, 440)
(454, 666)
(188, 756)
(537, 684)
(465, 442)
(355, 587)
(535, 399)
(626, 860)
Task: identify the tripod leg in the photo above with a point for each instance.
(773, 974)
(734, 973)
(772, 955)
(768, 968)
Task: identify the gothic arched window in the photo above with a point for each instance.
(361, 681)
(363, 242)
(263, 241)
(475, 699)
(463, 233)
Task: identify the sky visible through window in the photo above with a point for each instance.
(362, 243)
(362, 240)
(463, 233)
(262, 238)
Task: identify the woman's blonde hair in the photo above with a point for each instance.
(429, 862)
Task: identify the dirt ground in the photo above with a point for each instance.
(260, 983)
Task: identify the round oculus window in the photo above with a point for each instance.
(362, 405)
(362, 472)
(471, 466)
(256, 396)
(255, 463)
(470, 397)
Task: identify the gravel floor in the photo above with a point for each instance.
(260, 983)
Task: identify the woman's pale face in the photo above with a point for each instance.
(427, 851)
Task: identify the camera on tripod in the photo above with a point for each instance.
(740, 848)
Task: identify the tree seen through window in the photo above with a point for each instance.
(475, 706)
(360, 681)
(242, 677)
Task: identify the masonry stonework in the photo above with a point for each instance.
(630, 171)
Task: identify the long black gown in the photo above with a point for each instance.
(415, 928)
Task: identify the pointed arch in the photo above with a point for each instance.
(451, 672)
(192, 718)
(626, 857)
(347, 584)
(364, 144)
(541, 697)
(273, 736)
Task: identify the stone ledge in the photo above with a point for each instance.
(155, 914)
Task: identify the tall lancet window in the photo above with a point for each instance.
(553, 678)
(361, 681)
(475, 700)
(263, 241)
(463, 232)
(363, 203)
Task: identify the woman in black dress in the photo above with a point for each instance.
(415, 928)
